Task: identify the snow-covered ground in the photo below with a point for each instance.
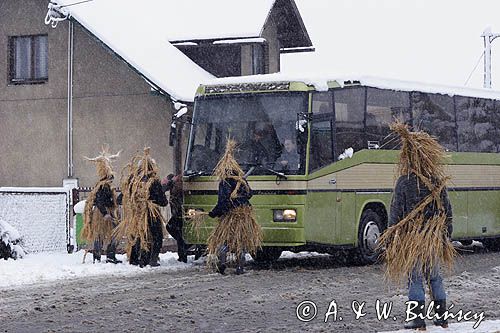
(304, 254)
(48, 267)
(488, 326)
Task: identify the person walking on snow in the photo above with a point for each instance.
(417, 242)
(173, 184)
(100, 210)
(237, 230)
(142, 222)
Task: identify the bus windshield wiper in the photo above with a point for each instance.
(278, 174)
(194, 174)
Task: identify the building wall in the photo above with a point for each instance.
(112, 105)
(32, 117)
(270, 33)
(246, 59)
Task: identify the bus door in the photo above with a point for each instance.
(321, 207)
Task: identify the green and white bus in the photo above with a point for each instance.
(321, 162)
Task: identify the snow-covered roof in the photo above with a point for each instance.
(139, 33)
(214, 19)
(321, 84)
(194, 20)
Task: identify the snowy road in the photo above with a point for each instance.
(262, 300)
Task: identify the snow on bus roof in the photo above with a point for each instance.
(139, 32)
(321, 84)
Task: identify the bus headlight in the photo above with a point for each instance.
(284, 215)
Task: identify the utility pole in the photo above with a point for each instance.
(488, 37)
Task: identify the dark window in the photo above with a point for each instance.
(435, 114)
(322, 145)
(349, 120)
(383, 107)
(28, 59)
(478, 123)
(322, 103)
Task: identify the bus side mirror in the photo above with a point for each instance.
(173, 135)
(301, 129)
(181, 110)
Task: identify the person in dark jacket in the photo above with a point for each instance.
(142, 196)
(408, 193)
(237, 230)
(100, 210)
(173, 184)
(417, 241)
(225, 205)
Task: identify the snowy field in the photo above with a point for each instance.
(50, 267)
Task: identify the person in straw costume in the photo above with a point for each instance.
(100, 209)
(142, 222)
(237, 230)
(417, 241)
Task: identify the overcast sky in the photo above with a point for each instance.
(434, 41)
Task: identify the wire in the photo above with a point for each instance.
(470, 75)
(76, 3)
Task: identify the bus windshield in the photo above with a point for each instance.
(263, 126)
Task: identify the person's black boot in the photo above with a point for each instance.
(417, 323)
(111, 258)
(221, 268)
(96, 256)
(182, 253)
(239, 270)
(439, 310)
(154, 261)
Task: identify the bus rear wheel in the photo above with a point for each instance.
(267, 254)
(370, 228)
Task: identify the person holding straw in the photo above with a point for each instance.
(417, 242)
(237, 231)
(99, 215)
(142, 222)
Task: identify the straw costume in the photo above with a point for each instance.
(100, 209)
(417, 241)
(237, 230)
(142, 222)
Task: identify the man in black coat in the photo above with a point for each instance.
(408, 193)
(225, 204)
(175, 224)
(152, 257)
(417, 241)
(105, 203)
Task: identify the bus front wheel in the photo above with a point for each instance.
(370, 228)
(267, 254)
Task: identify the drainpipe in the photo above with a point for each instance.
(70, 100)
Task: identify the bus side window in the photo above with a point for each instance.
(478, 122)
(321, 131)
(321, 144)
(349, 120)
(383, 107)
